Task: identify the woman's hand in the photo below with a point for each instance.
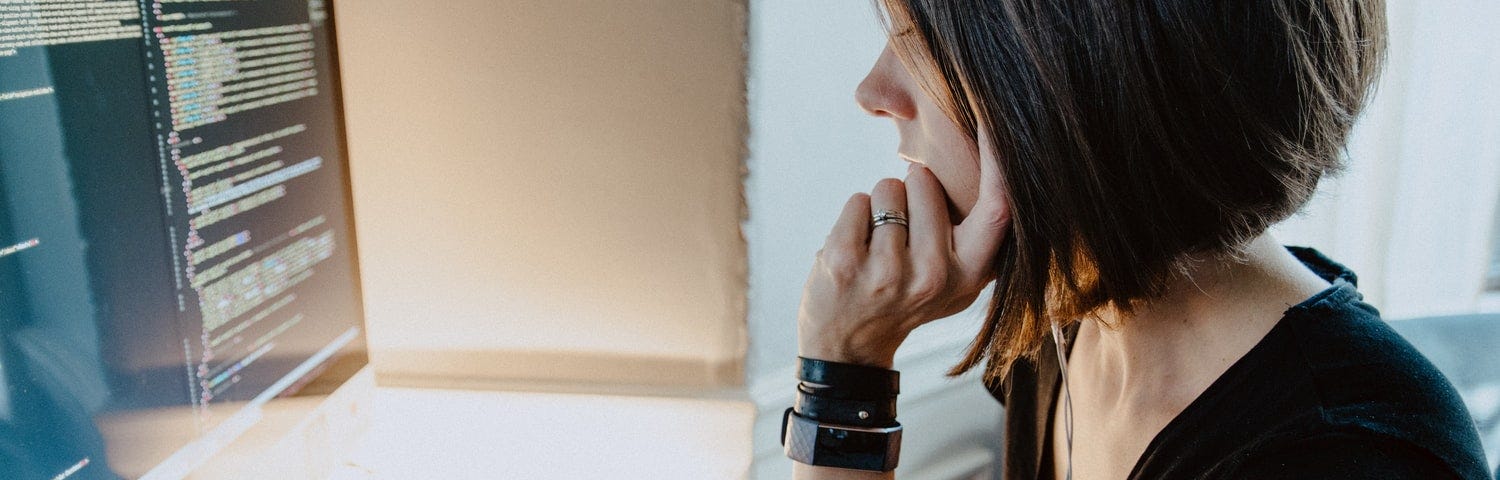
(870, 288)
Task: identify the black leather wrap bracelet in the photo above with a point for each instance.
(847, 394)
(875, 381)
(858, 413)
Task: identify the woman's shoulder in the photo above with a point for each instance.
(1374, 402)
(1353, 361)
(1332, 391)
(1361, 372)
(1341, 452)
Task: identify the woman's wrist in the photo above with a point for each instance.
(844, 416)
(847, 349)
(881, 360)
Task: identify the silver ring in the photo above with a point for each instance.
(883, 217)
(882, 214)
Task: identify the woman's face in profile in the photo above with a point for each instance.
(928, 136)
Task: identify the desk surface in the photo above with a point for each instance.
(427, 433)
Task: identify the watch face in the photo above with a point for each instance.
(807, 441)
(853, 448)
(851, 444)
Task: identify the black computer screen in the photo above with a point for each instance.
(176, 241)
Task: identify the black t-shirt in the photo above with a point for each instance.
(1330, 392)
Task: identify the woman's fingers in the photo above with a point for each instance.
(977, 239)
(931, 234)
(889, 196)
(851, 232)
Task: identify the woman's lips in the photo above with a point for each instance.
(909, 158)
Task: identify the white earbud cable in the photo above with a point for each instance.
(1062, 363)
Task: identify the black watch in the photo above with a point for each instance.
(827, 445)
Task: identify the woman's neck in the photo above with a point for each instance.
(1166, 352)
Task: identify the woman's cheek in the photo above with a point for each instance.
(963, 192)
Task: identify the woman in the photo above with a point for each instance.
(1113, 167)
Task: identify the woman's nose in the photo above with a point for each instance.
(885, 91)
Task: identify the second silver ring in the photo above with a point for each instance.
(882, 217)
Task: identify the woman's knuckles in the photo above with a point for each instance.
(927, 286)
(842, 267)
(885, 288)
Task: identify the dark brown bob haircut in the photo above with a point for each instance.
(1136, 134)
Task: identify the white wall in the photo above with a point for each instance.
(553, 179)
(1413, 214)
(810, 148)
